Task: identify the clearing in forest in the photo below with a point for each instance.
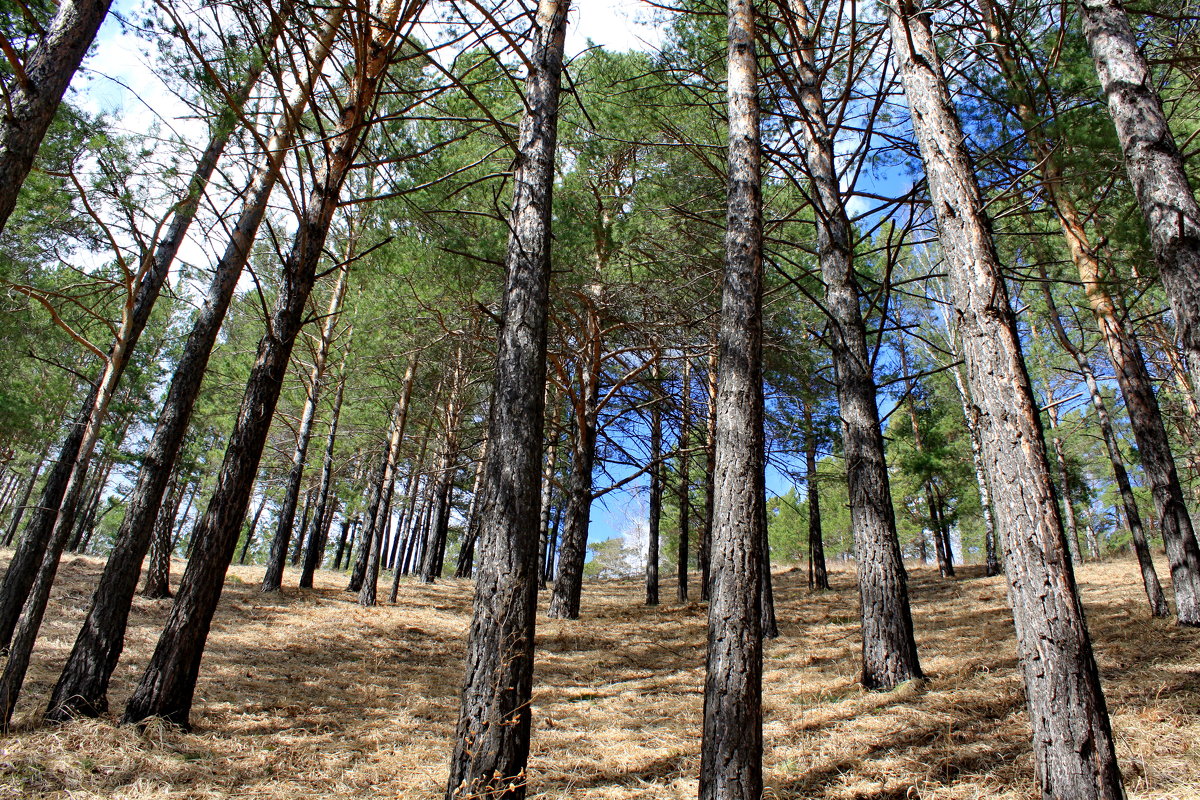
(306, 694)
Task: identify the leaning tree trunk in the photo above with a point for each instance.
(273, 577)
(889, 651)
(158, 571)
(83, 683)
(1133, 518)
(19, 512)
(38, 89)
(1123, 348)
(731, 750)
(1154, 163)
(492, 738)
(168, 684)
(1073, 746)
(315, 551)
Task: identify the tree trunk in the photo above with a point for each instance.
(1123, 348)
(818, 576)
(889, 651)
(34, 97)
(1154, 163)
(98, 645)
(492, 737)
(1133, 518)
(167, 686)
(1073, 745)
(684, 488)
(564, 600)
(656, 471)
(731, 750)
(315, 551)
(435, 545)
(158, 571)
(273, 577)
(971, 417)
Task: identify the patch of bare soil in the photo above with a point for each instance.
(305, 694)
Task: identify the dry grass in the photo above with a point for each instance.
(307, 695)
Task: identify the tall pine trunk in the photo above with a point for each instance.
(889, 651)
(168, 684)
(731, 750)
(492, 738)
(1073, 746)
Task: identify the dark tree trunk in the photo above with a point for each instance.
(731, 751)
(549, 569)
(168, 684)
(818, 576)
(564, 599)
(99, 644)
(889, 651)
(492, 739)
(156, 587)
(1073, 744)
(1155, 167)
(656, 471)
(685, 489)
(315, 551)
(305, 516)
(34, 98)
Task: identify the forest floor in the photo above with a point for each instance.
(306, 695)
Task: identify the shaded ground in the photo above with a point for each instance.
(305, 694)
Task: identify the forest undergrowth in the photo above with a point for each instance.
(305, 694)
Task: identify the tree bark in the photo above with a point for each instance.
(1123, 348)
(19, 512)
(889, 651)
(158, 571)
(1073, 746)
(315, 551)
(34, 99)
(818, 575)
(684, 488)
(492, 737)
(710, 460)
(168, 684)
(367, 595)
(731, 750)
(84, 681)
(1154, 164)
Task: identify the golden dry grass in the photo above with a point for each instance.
(307, 695)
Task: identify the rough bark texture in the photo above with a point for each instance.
(1123, 348)
(158, 570)
(1154, 163)
(167, 685)
(710, 460)
(32, 102)
(1072, 741)
(731, 751)
(889, 650)
(98, 646)
(492, 738)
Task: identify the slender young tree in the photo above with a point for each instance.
(1073, 745)
(491, 745)
(731, 752)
